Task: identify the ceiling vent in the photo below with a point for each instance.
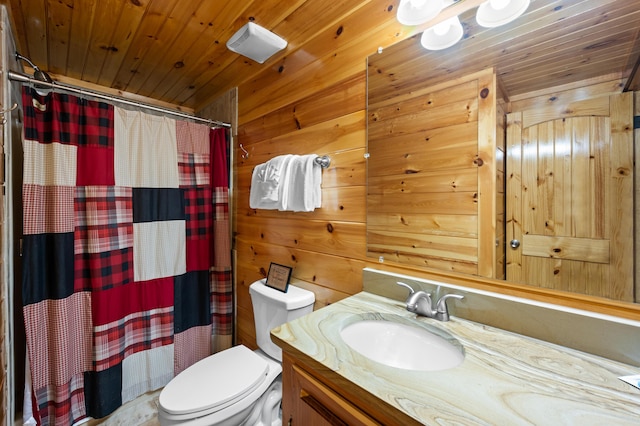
(256, 42)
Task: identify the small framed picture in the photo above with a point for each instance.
(278, 277)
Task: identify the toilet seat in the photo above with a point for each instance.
(215, 382)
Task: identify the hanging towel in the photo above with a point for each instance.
(267, 183)
(303, 184)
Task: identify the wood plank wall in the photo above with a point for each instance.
(300, 108)
(431, 196)
(319, 107)
(316, 109)
(589, 98)
(501, 125)
(326, 247)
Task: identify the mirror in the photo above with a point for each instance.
(439, 144)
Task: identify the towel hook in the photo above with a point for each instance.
(245, 153)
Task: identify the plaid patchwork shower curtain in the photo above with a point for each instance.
(127, 269)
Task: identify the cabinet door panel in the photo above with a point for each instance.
(314, 404)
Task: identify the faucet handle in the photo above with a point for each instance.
(411, 290)
(441, 307)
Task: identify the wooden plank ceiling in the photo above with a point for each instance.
(174, 50)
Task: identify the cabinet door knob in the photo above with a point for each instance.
(514, 244)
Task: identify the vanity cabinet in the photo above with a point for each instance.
(505, 378)
(314, 398)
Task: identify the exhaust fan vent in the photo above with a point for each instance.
(256, 42)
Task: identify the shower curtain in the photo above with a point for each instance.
(127, 266)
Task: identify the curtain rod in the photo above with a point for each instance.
(26, 79)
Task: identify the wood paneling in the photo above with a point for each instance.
(345, 239)
(487, 187)
(342, 204)
(587, 249)
(591, 107)
(432, 154)
(311, 402)
(342, 99)
(335, 135)
(331, 271)
(453, 147)
(325, 247)
(175, 51)
(433, 179)
(571, 197)
(500, 261)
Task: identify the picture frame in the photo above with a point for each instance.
(278, 277)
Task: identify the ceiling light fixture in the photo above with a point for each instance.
(494, 13)
(416, 12)
(256, 42)
(491, 13)
(442, 35)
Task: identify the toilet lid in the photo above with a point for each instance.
(214, 381)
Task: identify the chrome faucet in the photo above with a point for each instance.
(419, 302)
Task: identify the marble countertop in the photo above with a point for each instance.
(505, 378)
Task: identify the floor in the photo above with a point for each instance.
(142, 411)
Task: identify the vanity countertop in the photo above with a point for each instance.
(505, 378)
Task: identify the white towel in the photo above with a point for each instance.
(302, 191)
(267, 183)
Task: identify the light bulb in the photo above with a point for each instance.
(442, 35)
(493, 13)
(442, 28)
(416, 12)
(499, 4)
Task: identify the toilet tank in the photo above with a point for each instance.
(272, 308)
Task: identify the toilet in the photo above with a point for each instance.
(238, 386)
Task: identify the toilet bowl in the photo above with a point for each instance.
(237, 386)
(221, 389)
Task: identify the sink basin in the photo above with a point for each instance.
(402, 345)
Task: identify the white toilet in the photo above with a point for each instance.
(238, 386)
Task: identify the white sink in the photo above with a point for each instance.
(401, 345)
